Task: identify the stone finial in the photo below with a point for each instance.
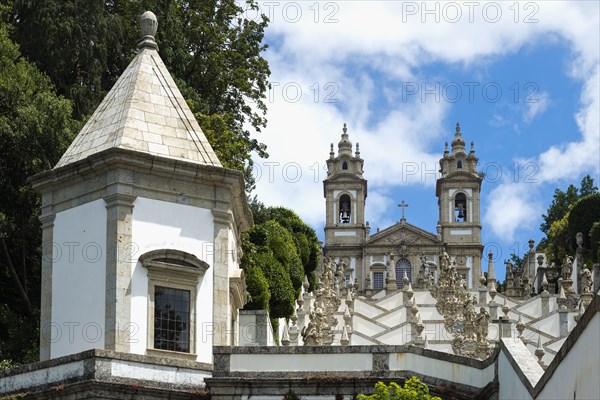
(472, 147)
(562, 299)
(482, 280)
(521, 328)
(300, 301)
(409, 290)
(349, 299)
(491, 270)
(492, 291)
(345, 129)
(331, 152)
(419, 326)
(344, 341)
(285, 337)
(306, 284)
(294, 317)
(505, 307)
(539, 353)
(149, 26)
(347, 316)
(545, 284)
(414, 309)
(446, 148)
(357, 153)
(426, 344)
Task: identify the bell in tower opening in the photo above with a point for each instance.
(345, 209)
(460, 207)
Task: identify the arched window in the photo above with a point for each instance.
(345, 165)
(460, 207)
(459, 164)
(173, 277)
(345, 209)
(401, 266)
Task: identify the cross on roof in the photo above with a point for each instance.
(403, 205)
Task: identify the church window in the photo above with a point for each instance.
(171, 319)
(403, 265)
(173, 278)
(459, 164)
(346, 281)
(345, 165)
(377, 280)
(460, 208)
(345, 209)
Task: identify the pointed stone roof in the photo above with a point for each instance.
(144, 111)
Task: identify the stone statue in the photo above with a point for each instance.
(586, 280)
(310, 333)
(482, 322)
(567, 267)
(445, 262)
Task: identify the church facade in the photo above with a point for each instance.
(379, 259)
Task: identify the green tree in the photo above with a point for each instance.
(562, 201)
(587, 187)
(559, 207)
(413, 389)
(304, 237)
(557, 243)
(35, 129)
(560, 238)
(213, 51)
(584, 213)
(79, 44)
(595, 241)
(283, 248)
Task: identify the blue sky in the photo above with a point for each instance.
(521, 78)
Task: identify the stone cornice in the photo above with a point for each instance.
(128, 160)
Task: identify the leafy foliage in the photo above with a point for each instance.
(212, 50)
(559, 207)
(413, 389)
(304, 237)
(79, 44)
(35, 129)
(283, 247)
(582, 216)
(595, 241)
(560, 237)
(557, 245)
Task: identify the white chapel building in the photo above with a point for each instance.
(141, 227)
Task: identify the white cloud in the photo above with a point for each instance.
(536, 106)
(510, 206)
(383, 38)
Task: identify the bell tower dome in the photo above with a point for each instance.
(345, 191)
(458, 191)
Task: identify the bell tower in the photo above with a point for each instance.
(345, 191)
(458, 192)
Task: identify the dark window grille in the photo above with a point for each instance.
(401, 266)
(171, 319)
(377, 280)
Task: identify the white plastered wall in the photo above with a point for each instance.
(577, 374)
(163, 225)
(510, 385)
(78, 279)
